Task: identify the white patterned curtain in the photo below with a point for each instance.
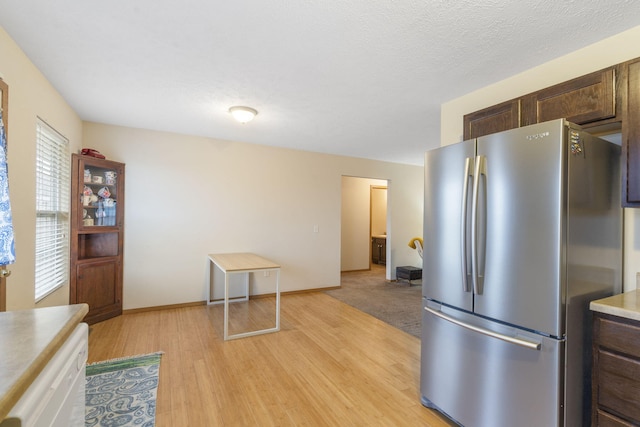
(7, 243)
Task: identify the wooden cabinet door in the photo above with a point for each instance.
(375, 251)
(494, 119)
(604, 419)
(585, 99)
(98, 283)
(631, 140)
(378, 250)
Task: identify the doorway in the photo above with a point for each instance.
(363, 216)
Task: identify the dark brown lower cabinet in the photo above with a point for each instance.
(616, 371)
(378, 250)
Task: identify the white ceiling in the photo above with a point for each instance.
(361, 78)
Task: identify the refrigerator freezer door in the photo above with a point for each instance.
(447, 263)
(521, 209)
(480, 381)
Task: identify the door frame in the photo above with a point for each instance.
(373, 188)
(347, 219)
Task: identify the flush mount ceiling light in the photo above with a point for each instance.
(243, 114)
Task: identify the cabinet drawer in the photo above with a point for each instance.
(604, 419)
(618, 336)
(618, 379)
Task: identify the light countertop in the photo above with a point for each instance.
(625, 305)
(29, 338)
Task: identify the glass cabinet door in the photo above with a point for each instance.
(99, 194)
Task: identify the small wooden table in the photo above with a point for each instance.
(242, 263)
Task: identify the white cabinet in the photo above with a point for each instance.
(56, 396)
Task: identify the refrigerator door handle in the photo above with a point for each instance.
(513, 340)
(468, 173)
(480, 169)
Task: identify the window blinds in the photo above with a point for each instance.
(52, 210)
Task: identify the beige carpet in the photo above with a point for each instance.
(395, 303)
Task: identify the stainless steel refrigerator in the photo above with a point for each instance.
(521, 230)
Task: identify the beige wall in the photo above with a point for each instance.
(378, 210)
(30, 96)
(188, 196)
(616, 49)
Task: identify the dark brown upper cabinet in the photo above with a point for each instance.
(584, 100)
(631, 138)
(494, 119)
(606, 101)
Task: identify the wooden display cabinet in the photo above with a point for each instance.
(97, 233)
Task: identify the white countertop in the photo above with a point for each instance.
(29, 338)
(625, 305)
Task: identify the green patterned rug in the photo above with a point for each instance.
(122, 392)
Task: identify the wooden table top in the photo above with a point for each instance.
(231, 262)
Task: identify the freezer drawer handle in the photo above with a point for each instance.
(518, 341)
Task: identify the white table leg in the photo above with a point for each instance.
(241, 263)
(278, 299)
(226, 305)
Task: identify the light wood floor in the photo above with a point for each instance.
(330, 365)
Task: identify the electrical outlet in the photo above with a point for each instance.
(266, 273)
